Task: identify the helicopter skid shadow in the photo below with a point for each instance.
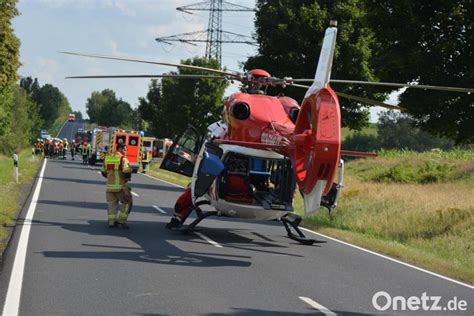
(235, 239)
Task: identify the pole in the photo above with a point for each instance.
(15, 166)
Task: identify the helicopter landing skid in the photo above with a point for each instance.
(293, 221)
(200, 216)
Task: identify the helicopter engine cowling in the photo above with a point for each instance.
(317, 146)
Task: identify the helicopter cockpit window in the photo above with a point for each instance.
(185, 150)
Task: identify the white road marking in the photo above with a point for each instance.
(317, 306)
(363, 249)
(99, 172)
(12, 300)
(159, 209)
(391, 259)
(209, 240)
(57, 136)
(135, 194)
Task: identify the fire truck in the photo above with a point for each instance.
(99, 144)
(132, 140)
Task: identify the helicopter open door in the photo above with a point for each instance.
(181, 157)
(209, 167)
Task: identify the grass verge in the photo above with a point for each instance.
(11, 192)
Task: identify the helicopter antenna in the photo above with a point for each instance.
(214, 36)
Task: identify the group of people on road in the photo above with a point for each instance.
(55, 148)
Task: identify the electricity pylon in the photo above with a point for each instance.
(214, 36)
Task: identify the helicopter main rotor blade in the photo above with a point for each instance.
(398, 85)
(149, 76)
(359, 99)
(144, 61)
(370, 101)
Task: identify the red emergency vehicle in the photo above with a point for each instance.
(133, 141)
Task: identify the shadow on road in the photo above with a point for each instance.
(82, 168)
(152, 247)
(100, 206)
(83, 181)
(133, 184)
(259, 312)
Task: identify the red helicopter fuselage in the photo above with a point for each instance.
(258, 118)
(312, 141)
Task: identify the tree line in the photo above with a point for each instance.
(396, 130)
(25, 107)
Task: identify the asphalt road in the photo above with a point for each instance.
(76, 265)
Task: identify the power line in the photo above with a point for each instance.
(214, 36)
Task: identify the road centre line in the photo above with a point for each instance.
(135, 194)
(390, 259)
(159, 209)
(12, 300)
(209, 240)
(317, 306)
(363, 249)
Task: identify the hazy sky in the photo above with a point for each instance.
(115, 27)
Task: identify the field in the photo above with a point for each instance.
(418, 207)
(11, 192)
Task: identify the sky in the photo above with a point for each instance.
(117, 28)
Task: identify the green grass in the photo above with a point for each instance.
(10, 191)
(167, 175)
(418, 207)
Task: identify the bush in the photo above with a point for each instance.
(361, 142)
(429, 172)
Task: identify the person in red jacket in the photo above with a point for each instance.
(182, 209)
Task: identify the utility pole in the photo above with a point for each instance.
(214, 36)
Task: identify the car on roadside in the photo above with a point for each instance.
(44, 134)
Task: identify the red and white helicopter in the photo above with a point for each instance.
(249, 163)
